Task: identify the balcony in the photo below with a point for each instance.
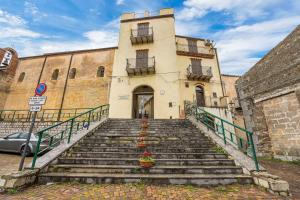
(195, 51)
(141, 35)
(199, 73)
(140, 66)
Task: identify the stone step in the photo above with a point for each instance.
(131, 144)
(191, 179)
(137, 155)
(131, 169)
(137, 150)
(147, 141)
(135, 161)
(148, 137)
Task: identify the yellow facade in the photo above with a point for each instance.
(86, 90)
(170, 77)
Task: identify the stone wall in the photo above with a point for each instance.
(269, 97)
(86, 90)
(7, 75)
(282, 115)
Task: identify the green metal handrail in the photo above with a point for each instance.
(224, 129)
(51, 136)
(46, 115)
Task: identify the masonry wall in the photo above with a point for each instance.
(6, 76)
(86, 90)
(269, 96)
(282, 116)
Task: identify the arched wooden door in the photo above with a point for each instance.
(200, 98)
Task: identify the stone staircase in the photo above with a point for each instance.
(182, 153)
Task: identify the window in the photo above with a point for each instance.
(187, 84)
(55, 74)
(143, 29)
(142, 58)
(72, 73)
(215, 103)
(13, 136)
(100, 72)
(214, 94)
(21, 77)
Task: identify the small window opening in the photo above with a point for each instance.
(55, 74)
(21, 77)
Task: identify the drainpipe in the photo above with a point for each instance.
(219, 71)
(65, 88)
(42, 70)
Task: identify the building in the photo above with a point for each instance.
(75, 79)
(151, 73)
(229, 83)
(8, 66)
(269, 94)
(155, 70)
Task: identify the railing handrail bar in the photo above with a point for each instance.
(70, 119)
(242, 129)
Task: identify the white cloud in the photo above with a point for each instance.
(240, 8)
(238, 47)
(13, 26)
(10, 20)
(18, 32)
(120, 2)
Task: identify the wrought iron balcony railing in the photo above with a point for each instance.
(196, 72)
(141, 35)
(196, 51)
(140, 66)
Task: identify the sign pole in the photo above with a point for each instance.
(27, 141)
(35, 106)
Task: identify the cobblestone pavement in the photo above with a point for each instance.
(10, 162)
(75, 191)
(288, 172)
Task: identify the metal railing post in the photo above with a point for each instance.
(37, 149)
(89, 120)
(253, 150)
(223, 131)
(71, 129)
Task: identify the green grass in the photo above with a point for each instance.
(294, 162)
(219, 150)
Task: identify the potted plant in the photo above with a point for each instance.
(141, 143)
(142, 133)
(146, 161)
(144, 123)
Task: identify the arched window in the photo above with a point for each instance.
(21, 77)
(55, 74)
(100, 72)
(72, 73)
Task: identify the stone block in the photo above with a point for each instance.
(279, 185)
(264, 183)
(2, 182)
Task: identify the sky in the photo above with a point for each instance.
(243, 30)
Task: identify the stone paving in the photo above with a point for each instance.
(10, 162)
(76, 191)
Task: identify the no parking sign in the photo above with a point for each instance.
(40, 89)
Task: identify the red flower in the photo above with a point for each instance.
(147, 154)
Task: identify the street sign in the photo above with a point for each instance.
(6, 60)
(40, 89)
(35, 108)
(36, 101)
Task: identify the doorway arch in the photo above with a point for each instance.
(200, 97)
(143, 102)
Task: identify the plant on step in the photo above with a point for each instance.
(145, 123)
(146, 161)
(141, 143)
(142, 133)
